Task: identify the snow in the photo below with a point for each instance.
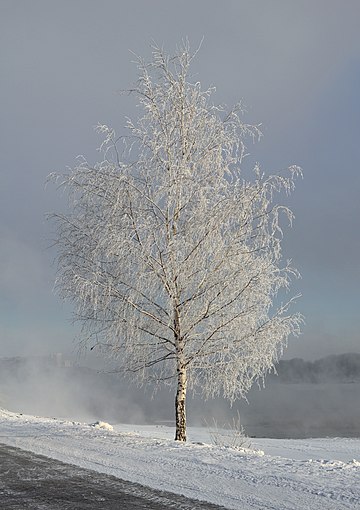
(102, 425)
(276, 474)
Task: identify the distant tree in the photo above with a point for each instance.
(171, 257)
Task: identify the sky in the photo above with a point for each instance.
(296, 65)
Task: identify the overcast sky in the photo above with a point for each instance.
(296, 64)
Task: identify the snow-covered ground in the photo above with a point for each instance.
(278, 474)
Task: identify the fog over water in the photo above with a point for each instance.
(303, 400)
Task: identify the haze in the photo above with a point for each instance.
(295, 64)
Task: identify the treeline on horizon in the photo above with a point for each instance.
(342, 368)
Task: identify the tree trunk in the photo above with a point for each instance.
(180, 405)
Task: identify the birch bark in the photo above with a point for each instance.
(171, 256)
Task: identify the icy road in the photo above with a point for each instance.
(29, 481)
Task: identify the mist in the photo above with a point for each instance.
(304, 399)
(54, 386)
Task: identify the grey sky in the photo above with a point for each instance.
(295, 63)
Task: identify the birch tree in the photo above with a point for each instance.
(170, 255)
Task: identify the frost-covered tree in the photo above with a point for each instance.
(171, 257)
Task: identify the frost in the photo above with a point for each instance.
(170, 255)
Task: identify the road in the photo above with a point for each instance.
(34, 482)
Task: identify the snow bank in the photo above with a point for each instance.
(291, 475)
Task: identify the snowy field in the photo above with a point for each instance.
(277, 474)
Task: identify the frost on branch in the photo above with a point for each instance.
(171, 257)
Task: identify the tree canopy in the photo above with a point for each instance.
(170, 255)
